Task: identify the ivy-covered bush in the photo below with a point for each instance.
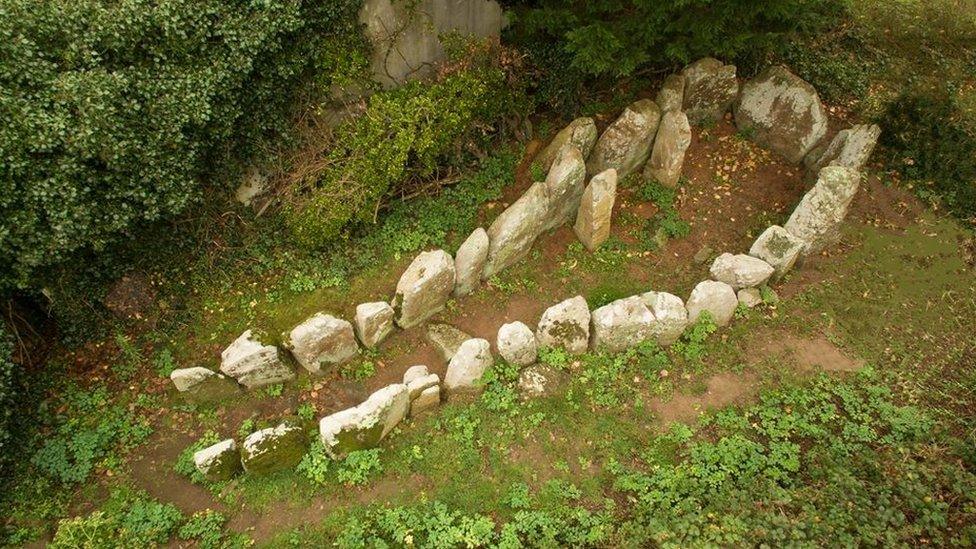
(8, 395)
(114, 111)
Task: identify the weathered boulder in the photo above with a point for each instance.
(620, 325)
(415, 372)
(668, 156)
(467, 366)
(427, 400)
(580, 132)
(718, 298)
(446, 338)
(322, 340)
(850, 148)
(777, 247)
(364, 426)
(749, 297)
(741, 270)
(274, 449)
(564, 187)
(710, 89)
(424, 288)
(202, 384)
(782, 112)
(469, 262)
(592, 225)
(538, 380)
(565, 325)
(516, 344)
(218, 462)
(670, 316)
(253, 364)
(818, 217)
(672, 93)
(374, 321)
(626, 144)
(512, 233)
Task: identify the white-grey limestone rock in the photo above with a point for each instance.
(321, 340)
(749, 297)
(710, 89)
(592, 225)
(672, 93)
(818, 218)
(469, 262)
(777, 247)
(415, 372)
(427, 400)
(273, 449)
(218, 462)
(252, 363)
(364, 426)
(741, 270)
(668, 155)
(467, 366)
(424, 288)
(202, 384)
(580, 132)
(850, 148)
(620, 325)
(670, 316)
(626, 144)
(718, 298)
(564, 187)
(516, 344)
(565, 325)
(374, 322)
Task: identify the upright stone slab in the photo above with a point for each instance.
(581, 133)
(818, 218)
(374, 322)
(777, 247)
(321, 341)
(424, 288)
(718, 298)
(274, 449)
(850, 148)
(565, 325)
(782, 112)
(446, 339)
(670, 316)
(592, 225)
(564, 187)
(218, 462)
(516, 343)
(620, 325)
(425, 393)
(202, 385)
(668, 155)
(415, 372)
(469, 262)
(364, 426)
(672, 93)
(626, 144)
(511, 235)
(741, 270)
(710, 89)
(252, 363)
(467, 366)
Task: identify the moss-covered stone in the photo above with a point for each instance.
(274, 449)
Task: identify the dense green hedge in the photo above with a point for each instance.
(114, 111)
(8, 394)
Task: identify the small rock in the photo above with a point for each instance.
(668, 155)
(566, 325)
(710, 89)
(427, 400)
(467, 366)
(202, 384)
(718, 298)
(253, 364)
(626, 143)
(418, 385)
(581, 133)
(446, 338)
(670, 316)
(750, 297)
(779, 248)
(741, 270)
(274, 449)
(538, 380)
(322, 340)
(620, 325)
(516, 344)
(374, 322)
(702, 255)
(424, 288)
(672, 93)
(818, 218)
(415, 372)
(592, 225)
(218, 462)
(364, 426)
(469, 262)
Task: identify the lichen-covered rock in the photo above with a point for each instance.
(850, 148)
(565, 325)
(749, 297)
(364, 426)
(511, 235)
(670, 316)
(218, 462)
(467, 366)
(741, 270)
(626, 144)
(446, 339)
(253, 364)
(782, 112)
(581, 133)
(373, 322)
(418, 385)
(516, 344)
(415, 372)
(620, 325)
(592, 225)
(322, 340)
(668, 156)
(424, 288)
(538, 380)
(777, 247)
(672, 93)
(710, 89)
(426, 401)
(469, 262)
(564, 187)
(718, 298)
(818, 218)
(273, 449)
(202, 385)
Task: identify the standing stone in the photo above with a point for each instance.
(565, 325)
(564, 187)
(626, 144)
(427, 400)
(446, 338)
(580, 132)
(710, 89)
(620, 325)
(202, 384)
(253, 364)
(749, 297)
(672, 93)
(467, 366)
(274, 449)
(850, 148)
(415, 372)
(218, 462)
(516, 343)
(469, 262)
(364, 426)
(670, 316)
(511, 235)
(718, 298)
(668, 156)
(740, 271)
(818, 217)
(777, 247)
(783, 112)
(374, 321)
(424, 288)
(321, 340)
(596, 208)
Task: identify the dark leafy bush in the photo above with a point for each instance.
(8, 395)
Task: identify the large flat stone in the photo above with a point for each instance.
(819, 216)
(620, 325)
(779, 248)
(580, 133)
(469, 262)
(252, 363)
(424, 288)
(668, 156)
(467, 366)
(364, 426)
(273, 449)
(710, 89)
(565, 325)
(321, 341)
(592, 225)
(626, 144)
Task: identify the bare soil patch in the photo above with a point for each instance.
(721, 390)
